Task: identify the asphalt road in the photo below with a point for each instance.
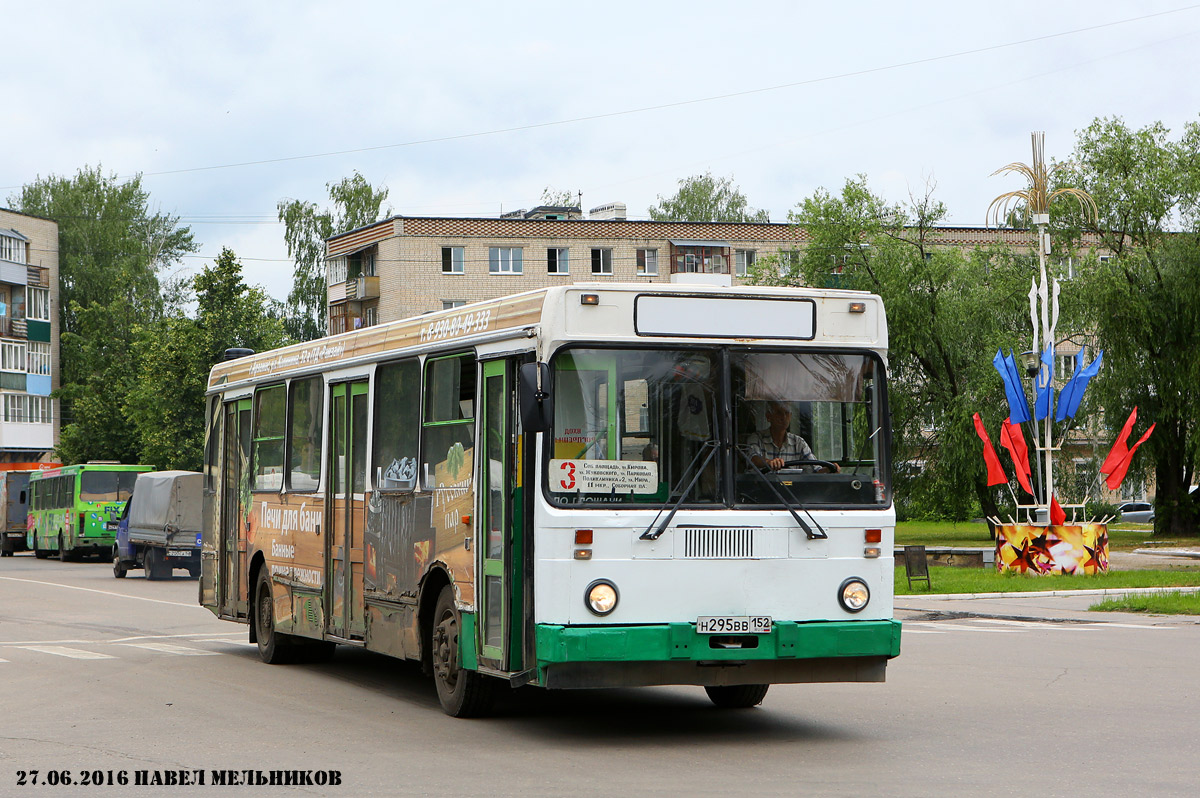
(130, 675)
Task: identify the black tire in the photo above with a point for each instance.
(462, 693)
(63, 556)
(119, 568)
(39, 553)
(6, 553)
(150, 563)
(737, 696)
(274, 648)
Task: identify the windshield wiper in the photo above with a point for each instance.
(820, 534)
(653, 534)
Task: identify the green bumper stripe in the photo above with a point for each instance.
(679, 641)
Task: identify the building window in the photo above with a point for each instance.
(789, 263)
(558, 260)
(23, 409)
(337, 271)
(703, 260)
(12, 356)
(370, 315)
(452, 260)
(450, 304)
(743, 261)
(12, 249)
(38, 307)
(602, 260)
(38, 359)
(647, 262)
(504, 260)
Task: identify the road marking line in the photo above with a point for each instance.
(73, 653)
(956, 628)
(908, 631)
(167, 648)
(102, 592)
(1035, 624)
(194, 635)
(1102, 624)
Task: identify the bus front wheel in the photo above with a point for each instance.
(462, 693)
(737, 696)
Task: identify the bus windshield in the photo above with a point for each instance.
(717, 426)
(106, 486)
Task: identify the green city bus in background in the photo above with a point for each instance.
(70, 508)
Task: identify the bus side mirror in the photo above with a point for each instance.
(537, 403)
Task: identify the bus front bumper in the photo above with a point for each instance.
(627, 656)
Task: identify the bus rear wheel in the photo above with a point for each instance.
(274, 648)
(737, 696)
(462, 693)
(63, 554)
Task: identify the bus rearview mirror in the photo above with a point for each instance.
(537, 403)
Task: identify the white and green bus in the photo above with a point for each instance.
(582, 486)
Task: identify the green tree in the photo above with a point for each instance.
(1144, 302)
(560, 198)
(704, 198)
(355, 204)
(165, 405)
(111, 249)
(948, 311)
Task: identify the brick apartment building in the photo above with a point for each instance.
(405, 266)
(29, 418)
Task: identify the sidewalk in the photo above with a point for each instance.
(1060, 605)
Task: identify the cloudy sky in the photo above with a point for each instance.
(470, 108)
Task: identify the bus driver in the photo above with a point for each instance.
(777, 445)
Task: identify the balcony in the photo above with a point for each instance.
(37, 277)
(13, 327)
(362, 288)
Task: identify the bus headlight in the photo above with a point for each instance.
(601, 597)
(854, 594)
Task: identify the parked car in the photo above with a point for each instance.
(159, 529)
(1137, 512)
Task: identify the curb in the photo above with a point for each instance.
(1110, 592)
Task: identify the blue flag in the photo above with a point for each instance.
(1018, 405)
(1044, 405)
(1072, 392)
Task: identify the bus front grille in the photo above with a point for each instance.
(718, 544)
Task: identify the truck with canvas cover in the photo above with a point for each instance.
(160, 528)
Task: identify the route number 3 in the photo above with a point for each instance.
(568, 481)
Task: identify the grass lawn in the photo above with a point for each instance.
(1162, 603)
(965, 533)
(983, 580)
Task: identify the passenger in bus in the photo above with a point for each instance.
(777, 445)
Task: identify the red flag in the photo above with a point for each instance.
(1012, 439)
(1057, 516)
(1118, 473)
(996, 474)
(1119, 449)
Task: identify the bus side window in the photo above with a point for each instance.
(397, 425)
(270, 423)
(449, 423)
(305, 404)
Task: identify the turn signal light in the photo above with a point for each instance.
(589, 299)
(583, 537)
(874, 535)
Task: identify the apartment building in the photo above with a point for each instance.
(408, 265)
(29, 418)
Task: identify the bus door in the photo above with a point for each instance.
(502, 592)
(235, 510)
(346, 511)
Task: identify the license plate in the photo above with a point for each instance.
(178, 553)
(16, 534)
(733, 625)
(111, 526)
